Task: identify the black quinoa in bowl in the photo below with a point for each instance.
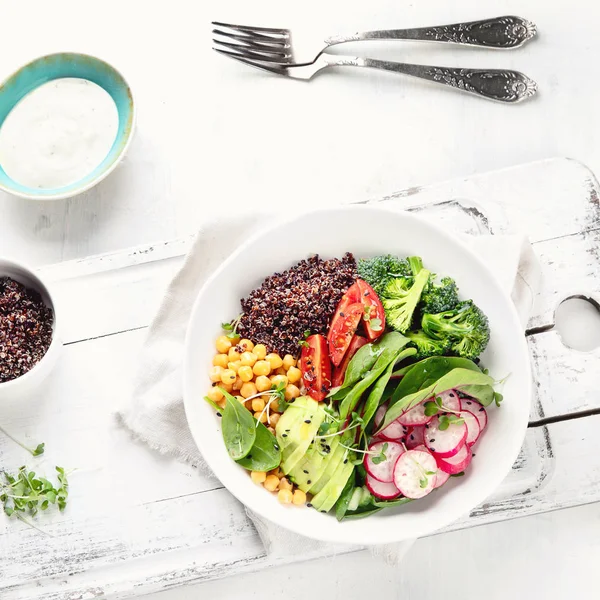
(302, 299)
(26, 328)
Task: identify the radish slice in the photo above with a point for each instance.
(457, 463)
(415, 416)
(385, 491)
(411, 471)
(415, 437)
(395, 431)
(473, 429)
(384, 470)
(379, 415)
(441, 478)
(477, 409)
(445, 442)
(450, 400)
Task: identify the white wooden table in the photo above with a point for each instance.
(352, 138)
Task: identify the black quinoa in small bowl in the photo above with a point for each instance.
(26, 328)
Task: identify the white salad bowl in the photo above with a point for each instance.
(365, 231)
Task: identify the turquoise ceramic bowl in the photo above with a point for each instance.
(58, 66)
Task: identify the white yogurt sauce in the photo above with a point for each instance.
(57, 134)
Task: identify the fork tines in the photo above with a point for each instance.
(259, 43)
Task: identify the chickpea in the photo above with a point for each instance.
(222, 403)
(233, 354)
(227, 376)
(280, 371)
(260, 416)
(238, 384)
(299, 498)
(223, 344)
(215, 394)
(294, 374)
(288, 361)
(275, 406)
(262, 367)
(245, 373)
(247, 345)
(274, 419)
(248, 359)
(235, 365)
(258, 476)
(277, 379)
(278, 473)
(271, 430)
(274, 360)
(260, 350)
(241, 400)
(215, 374)
(271, 482)
(220, 360)
(228, 387)
(285, 484)
(285, 496)
(258, 404)
(291, 391)
(263, 383)
(248, 389)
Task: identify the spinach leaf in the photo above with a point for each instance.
(455, 379)
(264, 454)
(388, 503)
(482, 393)
(428, 371)
(359, 365)
(237, 426)
(341, 506)
(392, 343)
(363, 512)
(378, 390)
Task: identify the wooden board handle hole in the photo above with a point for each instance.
(577, 320)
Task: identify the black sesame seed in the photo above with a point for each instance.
(219, 414)
(305, 471)
(426, 426)
(432, 440)
(481, 409)
(432, 449)
(412, 437)
(307, 421)
(309, 505)
(284, 435)
(309, 482)
(323, 511)
(345, 461)
(276, 446)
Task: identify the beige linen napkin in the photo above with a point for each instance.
(155, 413)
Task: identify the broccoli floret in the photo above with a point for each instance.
(415, 263)
(379, 270)
(427, 346)
(437, 298)
(400, 298)
(465, 326)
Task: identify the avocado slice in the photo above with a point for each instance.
(310, 469)
(325, 500)
(336, 457)
(290, 419)
(303, 433)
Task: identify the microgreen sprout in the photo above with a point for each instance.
(37, 451)
(232, 327)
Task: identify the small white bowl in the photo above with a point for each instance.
(30, 381)
(365, 231)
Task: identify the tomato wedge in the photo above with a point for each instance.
(343, 327)
(339, 372)
(316, 367)
(374, 315)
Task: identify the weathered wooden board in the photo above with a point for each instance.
(183, 527)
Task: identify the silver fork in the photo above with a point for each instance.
(303, 47)
(503, 85)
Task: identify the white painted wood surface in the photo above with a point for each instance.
(139, 523)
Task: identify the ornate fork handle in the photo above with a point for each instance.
(503, 85)
(500, 32)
